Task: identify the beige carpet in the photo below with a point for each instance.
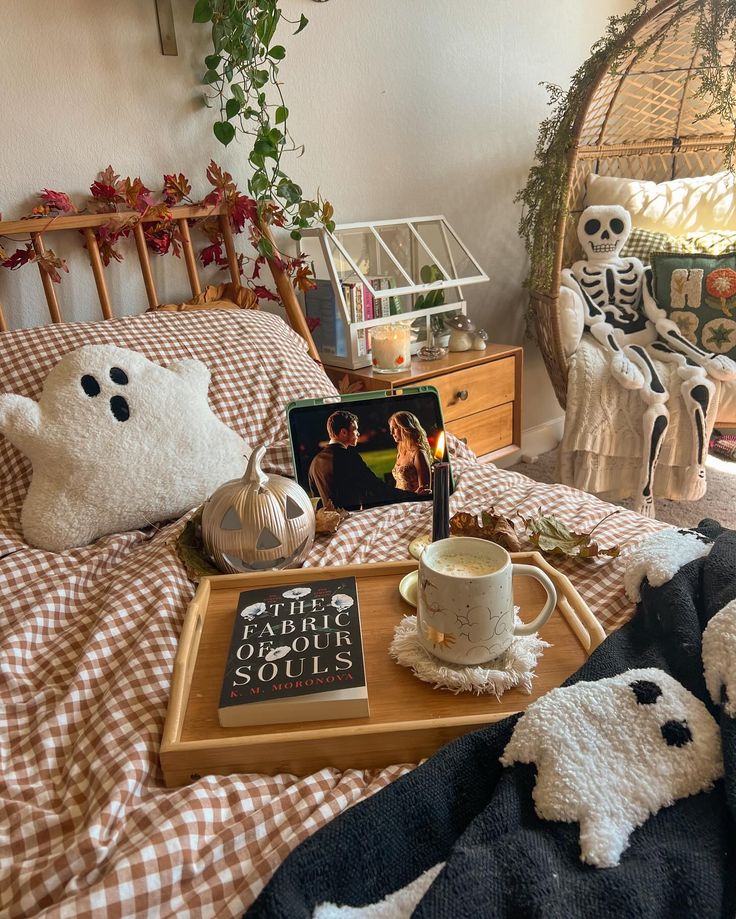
(719, 502)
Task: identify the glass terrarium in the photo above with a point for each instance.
(384, 272)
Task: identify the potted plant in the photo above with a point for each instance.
(430, 274)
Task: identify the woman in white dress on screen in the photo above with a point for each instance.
(413, 456)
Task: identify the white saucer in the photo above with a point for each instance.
(408, 588)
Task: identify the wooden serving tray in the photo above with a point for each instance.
(409, 719)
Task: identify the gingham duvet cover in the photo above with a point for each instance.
(88, 639)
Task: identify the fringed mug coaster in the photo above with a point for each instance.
(514, 667)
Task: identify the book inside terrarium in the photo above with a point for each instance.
(385, 272)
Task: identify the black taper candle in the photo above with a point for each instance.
(440, 501)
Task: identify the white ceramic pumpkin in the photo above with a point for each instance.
(258, 522)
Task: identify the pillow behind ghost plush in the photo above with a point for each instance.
(116, 443)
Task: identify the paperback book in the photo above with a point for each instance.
(296, 654)
(325, 321)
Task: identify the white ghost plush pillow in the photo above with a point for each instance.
(117, 442)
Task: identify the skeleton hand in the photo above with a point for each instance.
(719, 367)
(626, 373)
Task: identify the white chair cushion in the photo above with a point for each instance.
(679, 206)
(726, 414)
(572, 320)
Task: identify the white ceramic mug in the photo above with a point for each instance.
(465, 603)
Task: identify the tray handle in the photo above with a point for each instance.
(186, 656)
(587, 628)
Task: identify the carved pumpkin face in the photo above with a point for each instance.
(259, 522)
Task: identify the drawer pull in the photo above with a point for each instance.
(462, 395)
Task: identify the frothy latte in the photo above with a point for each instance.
(463, 565)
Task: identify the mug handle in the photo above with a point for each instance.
(527, 628)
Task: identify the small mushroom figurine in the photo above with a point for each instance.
(480, 340)
(461, 329)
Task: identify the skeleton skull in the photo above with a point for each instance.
(603, 231)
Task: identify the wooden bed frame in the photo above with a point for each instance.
(37, 228)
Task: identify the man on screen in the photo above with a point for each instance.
(339, 474)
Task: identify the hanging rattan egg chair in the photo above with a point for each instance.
(639, 122)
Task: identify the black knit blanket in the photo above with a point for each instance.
(462, 835)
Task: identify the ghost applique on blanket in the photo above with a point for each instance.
(611, 753)
(116, 443)
(719, 658)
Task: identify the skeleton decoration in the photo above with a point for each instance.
(621, 313)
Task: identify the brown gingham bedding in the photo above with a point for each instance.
(88, 638)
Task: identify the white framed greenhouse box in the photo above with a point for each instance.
(410, 269)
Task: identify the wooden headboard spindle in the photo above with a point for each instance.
(36, 228)
(48, 284)
(190, 260)
(95, 260)
(145, 263)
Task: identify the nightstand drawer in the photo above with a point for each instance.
(466, 392)
(486, 431)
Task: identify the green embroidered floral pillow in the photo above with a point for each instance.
(698, 292)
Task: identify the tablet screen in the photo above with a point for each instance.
(368, 451)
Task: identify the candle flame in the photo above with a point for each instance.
(439, 450)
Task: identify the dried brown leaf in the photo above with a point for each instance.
(491, 526)
(191, 552)
(328, 519)
(50, 262)
(552, 537)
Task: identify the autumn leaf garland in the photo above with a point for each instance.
(129, 202)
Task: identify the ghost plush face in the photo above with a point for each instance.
(603, 231)
(612, 752)
(117, 442)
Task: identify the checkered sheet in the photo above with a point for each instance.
(88, 639)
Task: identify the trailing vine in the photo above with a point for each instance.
(716, 25)
(544, 197)
(242, 76)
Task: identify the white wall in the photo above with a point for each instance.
(406, 107)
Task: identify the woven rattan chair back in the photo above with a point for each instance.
(640, 122)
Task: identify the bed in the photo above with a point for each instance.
(87, 827)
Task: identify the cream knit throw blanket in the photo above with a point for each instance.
(601, 450)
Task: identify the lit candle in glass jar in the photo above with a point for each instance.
(391, 347)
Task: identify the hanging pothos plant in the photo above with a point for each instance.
(544, 197)
(242, 76)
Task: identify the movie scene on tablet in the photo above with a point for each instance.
(368, 452)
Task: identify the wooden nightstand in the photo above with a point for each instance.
(480, 392)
